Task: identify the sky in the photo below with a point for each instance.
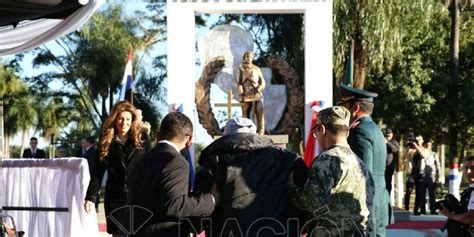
(217, 95)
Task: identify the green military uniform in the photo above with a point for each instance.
(367, 141)
(339, 190)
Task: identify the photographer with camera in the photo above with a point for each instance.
(415, 157)
(461, 217)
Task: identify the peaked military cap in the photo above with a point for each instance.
(348, 93)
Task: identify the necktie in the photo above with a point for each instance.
(33, 152)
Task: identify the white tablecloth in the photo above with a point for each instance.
(48, 183)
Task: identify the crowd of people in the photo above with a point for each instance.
(248, 186)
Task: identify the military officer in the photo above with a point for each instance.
(367, 141)
(339, 188)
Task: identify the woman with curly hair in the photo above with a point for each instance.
(121, 142)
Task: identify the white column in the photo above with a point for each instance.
(392, 193)
(181, 57)
(443, 163)
(318, 57)
(398, 190)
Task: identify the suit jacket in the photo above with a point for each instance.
(159, 183)
(39, 154)
(91, 156)
(367, 141)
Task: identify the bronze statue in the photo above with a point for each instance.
(250, 86)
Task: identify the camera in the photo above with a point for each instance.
(449, 202)
(411, 139)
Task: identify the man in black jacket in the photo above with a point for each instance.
(90, 152)
(159, 184)
(34, 151)
(252, 175)
(392, 157)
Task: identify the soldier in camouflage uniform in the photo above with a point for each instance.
(340, 190)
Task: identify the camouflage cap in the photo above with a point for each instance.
(337, 115)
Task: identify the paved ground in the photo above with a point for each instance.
(390, 232)
(420, 232)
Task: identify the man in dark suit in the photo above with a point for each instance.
(90, 152)
(368, 142)
(159, 184)
(33, 151)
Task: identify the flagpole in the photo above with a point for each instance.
(131, 88)
(349, 70)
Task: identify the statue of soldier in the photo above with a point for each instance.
(250, 86)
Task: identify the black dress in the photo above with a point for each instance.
(116, 189)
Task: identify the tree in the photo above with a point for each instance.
(55, 115)
(17, 105)
(406, 87)
(378, 30)
(454, 87)
(89, 63)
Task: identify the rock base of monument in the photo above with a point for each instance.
(279, 140)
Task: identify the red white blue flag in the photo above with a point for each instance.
(312, 147)
(127, 79)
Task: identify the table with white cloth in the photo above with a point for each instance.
(45, 197)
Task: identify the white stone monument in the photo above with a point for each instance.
(181, 14)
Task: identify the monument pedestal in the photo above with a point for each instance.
(279, 140)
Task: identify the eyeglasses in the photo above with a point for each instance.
(315, 128)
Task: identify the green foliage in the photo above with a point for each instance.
(17, 102)
(55, 115)
(414, 91)
(406, 48)
(88, 65)
(102, 50)
(381, 26)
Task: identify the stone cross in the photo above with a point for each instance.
(229, 104)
